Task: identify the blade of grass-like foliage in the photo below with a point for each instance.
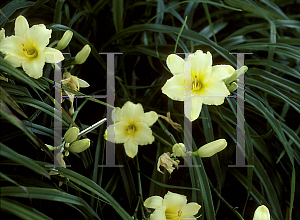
(258, 197)
(273, 78)
(268, 186)
(95, 188)
(7, 114)
(11, 7)
(50, 195)
(272, 91)
(128, 180)
(13, 89)
(39, 129)
(274, 124)
(22, 160)
(209, 137)
(293, 188)
(187, 34)
(250, 155)
(118, 11)
(41, 106)
(22, 211)
(207, 14)
(8, 100)
(5, 66)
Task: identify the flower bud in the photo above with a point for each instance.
(81, 145)
(71, 134)
(211, 148)
(82, 55)
(261, 213)
(65, 40)
(50, 147)
(179, 149)
(233, 86)
(2, 34)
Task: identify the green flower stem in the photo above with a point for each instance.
(140, 186)
(167, 132)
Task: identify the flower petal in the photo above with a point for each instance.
(21, 26)
(131, 148)
(117, 133)
(115, 115)
(159, 214)
(221, 72)
(132, 113)
(83, 83)
(174, 202)
(202, 66)
(150, 118)
(176, 64)
(34, 67)
(52, 55)
(153, 202)
(175, 87)
(192, 113)
(261, 213)
(213, 93)
(13, 60)
(143, 134)
(13, 46)
(190, 209)
(38, 36)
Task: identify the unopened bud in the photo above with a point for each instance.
(81, 145)
(82, 55)
(50, 147)
(65, 40)
(71, 134)
(233, 86)
(211, 148)
(179, 149)
(261, 213)
(2, 34)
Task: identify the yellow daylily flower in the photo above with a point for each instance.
(261, 213)
(132, 127)
(28, 48)
(172, 207)
(197, 82)
(211, 148)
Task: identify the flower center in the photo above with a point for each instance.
(196, 84)
(179, 213)
(131, 129)
(30, 52)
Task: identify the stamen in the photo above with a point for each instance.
(131, 129)
(196, 84)
(179, 213)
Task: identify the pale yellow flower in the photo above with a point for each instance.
(261, 213)
(167, 162)
(197, 82)
(211, 148)
(131, 127)
(28, 48)
(172, 207)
